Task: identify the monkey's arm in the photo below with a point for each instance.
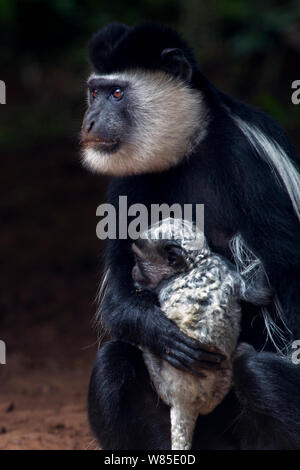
(137, 318)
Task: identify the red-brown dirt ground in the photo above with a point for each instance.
(50, 269)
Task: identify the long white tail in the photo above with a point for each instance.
(183, 422)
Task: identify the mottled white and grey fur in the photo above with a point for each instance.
(169, 120)
(204, 303)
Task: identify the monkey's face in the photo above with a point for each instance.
(155, 261)
(107, 120)
(139, 122)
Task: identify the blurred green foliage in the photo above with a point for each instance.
(249, 49)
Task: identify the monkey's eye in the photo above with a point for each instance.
(172, 259)
(94, 93)
(117, 94)
(174, 254)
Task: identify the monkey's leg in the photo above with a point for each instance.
(124, 410)
(268, 387)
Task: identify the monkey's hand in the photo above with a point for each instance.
(164, 338)
(139, 320)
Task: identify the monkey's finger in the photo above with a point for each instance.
(211, 357)
(193, 354)
(178, 364)
(200, 355)
(182, 338)
(186, 360)
(175, 362)
(188, 363)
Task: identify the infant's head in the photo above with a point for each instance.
(170, 247)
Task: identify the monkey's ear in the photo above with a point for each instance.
(175, 62)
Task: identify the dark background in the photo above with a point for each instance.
(50, 256)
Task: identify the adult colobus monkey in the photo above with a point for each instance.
(167, 135)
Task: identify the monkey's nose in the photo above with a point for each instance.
(88, 124)
(90, 134)
(94, 133)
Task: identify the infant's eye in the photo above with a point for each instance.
(117, 93)
(172, 259)
(94, 93)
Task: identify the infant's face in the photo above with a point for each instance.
(156, 260)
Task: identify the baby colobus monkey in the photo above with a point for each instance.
(200, 292)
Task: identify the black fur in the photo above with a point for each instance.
(240, 194)
(117, 47)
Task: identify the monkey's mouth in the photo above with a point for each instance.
(97, 143)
